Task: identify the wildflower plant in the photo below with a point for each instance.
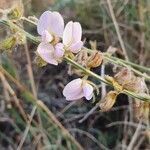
(50, 26)
(58, 42)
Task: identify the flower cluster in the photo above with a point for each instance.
(56, 41)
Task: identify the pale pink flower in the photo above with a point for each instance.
(49, 53)
(77, 89)
(72, 37)
(50, 26)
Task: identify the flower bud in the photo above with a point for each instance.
(8, 43)
(15, 13)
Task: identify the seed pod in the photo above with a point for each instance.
(141, 110)
(95, 60)
(129, 81)
(108, 101)
(124, 76)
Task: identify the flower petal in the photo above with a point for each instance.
(44, 22)
(52, 22)
(75, 97)
(72, 33)
(46, 37)
(45, 51)
(75, 48)
(59, 50)
(57, 24)
(77, 32)
(73, 90)
(67, 34)
(88, 91)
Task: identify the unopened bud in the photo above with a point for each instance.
(15, 13)
(8, 43)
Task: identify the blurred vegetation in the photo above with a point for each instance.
(101, 130)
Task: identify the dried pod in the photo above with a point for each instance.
(108, 101)
(124, 76)
(95, 60)
(129, 81)
(141, 110)
(136, 85)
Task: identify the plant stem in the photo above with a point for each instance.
(37, 41)
(143, 97)
(119, 62)
(14, 26)
(142, 68)
(117, 29)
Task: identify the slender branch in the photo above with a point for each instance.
(27, 129)
(37, 41)
(14, 26)
(119, 62)
(11, 91)
(143, 97)
(135, 136)
(142, 68)
(117, 29)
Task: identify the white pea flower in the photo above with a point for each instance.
(77, 89)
